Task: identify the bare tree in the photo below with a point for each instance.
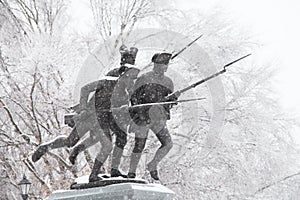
(121, 17)
(33, 92)
(36, 16)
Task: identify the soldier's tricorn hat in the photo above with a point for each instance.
(128, 55)
(161, 58)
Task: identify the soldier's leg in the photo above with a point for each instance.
(93, 127)
(106, 147)
(77, 132)
(82, 127)
(83, 145)
(58, 142)
(165, 139)
(71, 140)
(141, 134)
(62, 141)
(121, 140)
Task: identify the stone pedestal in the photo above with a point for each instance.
(123, 191)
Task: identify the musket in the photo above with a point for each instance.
(174, 94)
(159, 103)
(179, 52)
(69, 118)
(187, 46)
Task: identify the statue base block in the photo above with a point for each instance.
(115, 189)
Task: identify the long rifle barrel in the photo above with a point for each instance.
(202, 81)
(206, 79)
(163, 103)
(179, 52)
(236, 60)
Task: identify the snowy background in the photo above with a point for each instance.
(43, 45)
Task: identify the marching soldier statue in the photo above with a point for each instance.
(152, 87)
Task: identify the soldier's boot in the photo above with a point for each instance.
(154, 175)
(166, 145)
(75, 151)
(41, 150)
(131, 175)
(117, 173)
(95, 171)
(116, 159)
(135, 157)
(153, 171)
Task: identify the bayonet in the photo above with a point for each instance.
(188, 45)
(177, 93)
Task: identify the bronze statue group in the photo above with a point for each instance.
(113, 106)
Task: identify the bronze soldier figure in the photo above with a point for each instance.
(107, 121)
(151, 87)
(87, 121)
